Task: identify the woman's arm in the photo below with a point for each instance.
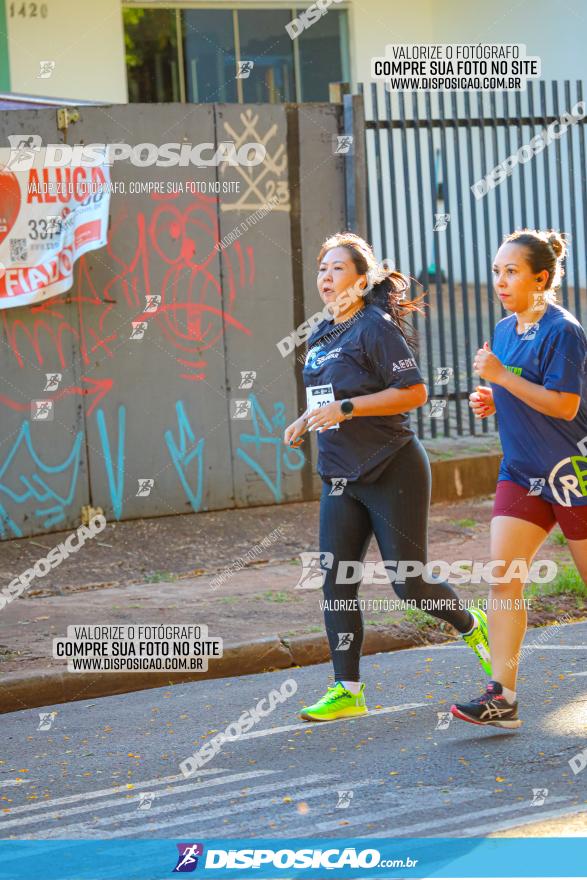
(390, 401)
(557, 404)
(382, 403)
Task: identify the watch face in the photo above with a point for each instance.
(347, 407)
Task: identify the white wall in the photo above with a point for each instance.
(83, 37)
(556, 34)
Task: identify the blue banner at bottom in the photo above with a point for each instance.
(300, 857)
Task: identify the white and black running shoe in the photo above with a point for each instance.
(491, 708)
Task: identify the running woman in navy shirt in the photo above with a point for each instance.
(361, 380)
(536, 369)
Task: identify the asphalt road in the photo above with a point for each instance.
(109, 768)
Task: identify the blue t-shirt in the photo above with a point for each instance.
(536, 447)
(363, 355)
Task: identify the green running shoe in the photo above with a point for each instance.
(336, 703)
(478, 640)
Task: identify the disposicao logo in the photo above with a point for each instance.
(188, 857)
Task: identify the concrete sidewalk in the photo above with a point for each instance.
(264, 621)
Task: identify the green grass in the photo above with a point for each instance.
(155, 577)
(307, 629)
(558, 538)
(465, 523)
(419, 618)
(385, 618)
(567, 581)
(276, 596)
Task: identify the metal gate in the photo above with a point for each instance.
(427, 209)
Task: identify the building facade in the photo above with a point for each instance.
(151, 50)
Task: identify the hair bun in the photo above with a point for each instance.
(558, 244)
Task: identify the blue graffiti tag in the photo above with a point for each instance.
(115, 480)
(36, 487)
(277, 423)
(182, 456)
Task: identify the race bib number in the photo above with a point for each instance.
(320, 395)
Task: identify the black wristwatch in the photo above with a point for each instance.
(347, 407)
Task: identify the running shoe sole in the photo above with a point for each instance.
(344, 713)
(508, 725)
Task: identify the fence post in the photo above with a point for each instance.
(337, 90)
(297, 259)
(355, 165)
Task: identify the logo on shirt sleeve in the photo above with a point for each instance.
(406, 364)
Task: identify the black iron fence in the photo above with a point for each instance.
(448, 175)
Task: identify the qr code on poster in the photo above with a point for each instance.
(18, 250)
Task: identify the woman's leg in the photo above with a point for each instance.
(579, 553)
(511, 539)
(345, 532)
(519, 526)
(573, 523)
(398, 504)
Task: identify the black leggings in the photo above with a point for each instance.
(394, 508)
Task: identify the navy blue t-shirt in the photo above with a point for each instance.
(552, 353)
(363, 355)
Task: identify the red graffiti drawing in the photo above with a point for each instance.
(191, 314)
(167, 251)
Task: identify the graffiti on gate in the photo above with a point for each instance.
(27, 480)
(272, 438)
(266, 182)
(183, 453)
(166, 252)
(161, 268)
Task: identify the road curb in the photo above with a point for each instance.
(467, 477)
(19, 692)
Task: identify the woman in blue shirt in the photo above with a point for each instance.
(361, 381)
(536, 369)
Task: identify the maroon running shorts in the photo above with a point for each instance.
(513, 500)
